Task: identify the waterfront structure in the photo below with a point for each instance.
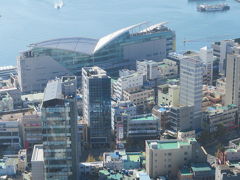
(144, 125)
(191, 76)
(60, 143)
(7, 71)
(37, 162)
(97, 105)
(166, 157)
(49, 59)
(168, 95)
(143, 98)
(226, 116)
(129, 80)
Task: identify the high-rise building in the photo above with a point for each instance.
(191, 76)
(59, 118)
(96, 87)
(220, 50)
(49, 59)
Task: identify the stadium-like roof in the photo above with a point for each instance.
(87, 45)
(83, 45)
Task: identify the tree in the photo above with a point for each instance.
(90, 158)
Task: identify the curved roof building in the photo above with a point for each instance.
(120, 49)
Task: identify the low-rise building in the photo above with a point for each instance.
(121, 111)
(119, 160)
(37, 162)
(166, 157)
(197, 171)
(9, 133)
(145, 125)
(90, 168)
(168, 95)
(129, 80)
(181, 118)
(226, 116)
(6, 102)
(162, 113)
(30, 127)
(143, 98)
(227, 172)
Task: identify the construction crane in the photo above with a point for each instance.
(207, 39)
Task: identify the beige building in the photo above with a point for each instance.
(168, 95)
(142, 98)
(233, 77)
(166, 157)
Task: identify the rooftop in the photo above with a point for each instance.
(145, 117)
(197, 167)
(170, 144)
(37, 154)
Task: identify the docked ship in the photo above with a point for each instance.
(212, 8)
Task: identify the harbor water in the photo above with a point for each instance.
(23, 22)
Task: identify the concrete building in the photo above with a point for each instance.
(37, 162)
(153, 70)
(197, 171)
(121, 111)
(143, 98)
(97, 105)
(60, 142)
(191, 87)
(6, 102)
(221, 115)
(162, 113)
(206, 55)
(148, 68)
(7, 71)
(15, 95)
(168, 95)
(227, 172)
(181, 118)
(131, 81)
(120, 49)
(90, 169)
(119, 160)
(30, 128)
(166, 157)
(145, 125)
(9, 133)
(233, 77)
(220, 50)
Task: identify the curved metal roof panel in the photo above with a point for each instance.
(110, 37)
(82, 45)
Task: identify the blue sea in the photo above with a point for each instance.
(23, 22)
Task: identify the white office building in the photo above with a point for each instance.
(37, 162)
(191, 86)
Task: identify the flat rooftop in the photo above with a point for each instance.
(37, 154)
(170, 144)
(148, 117)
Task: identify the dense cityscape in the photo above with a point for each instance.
(126, 106)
